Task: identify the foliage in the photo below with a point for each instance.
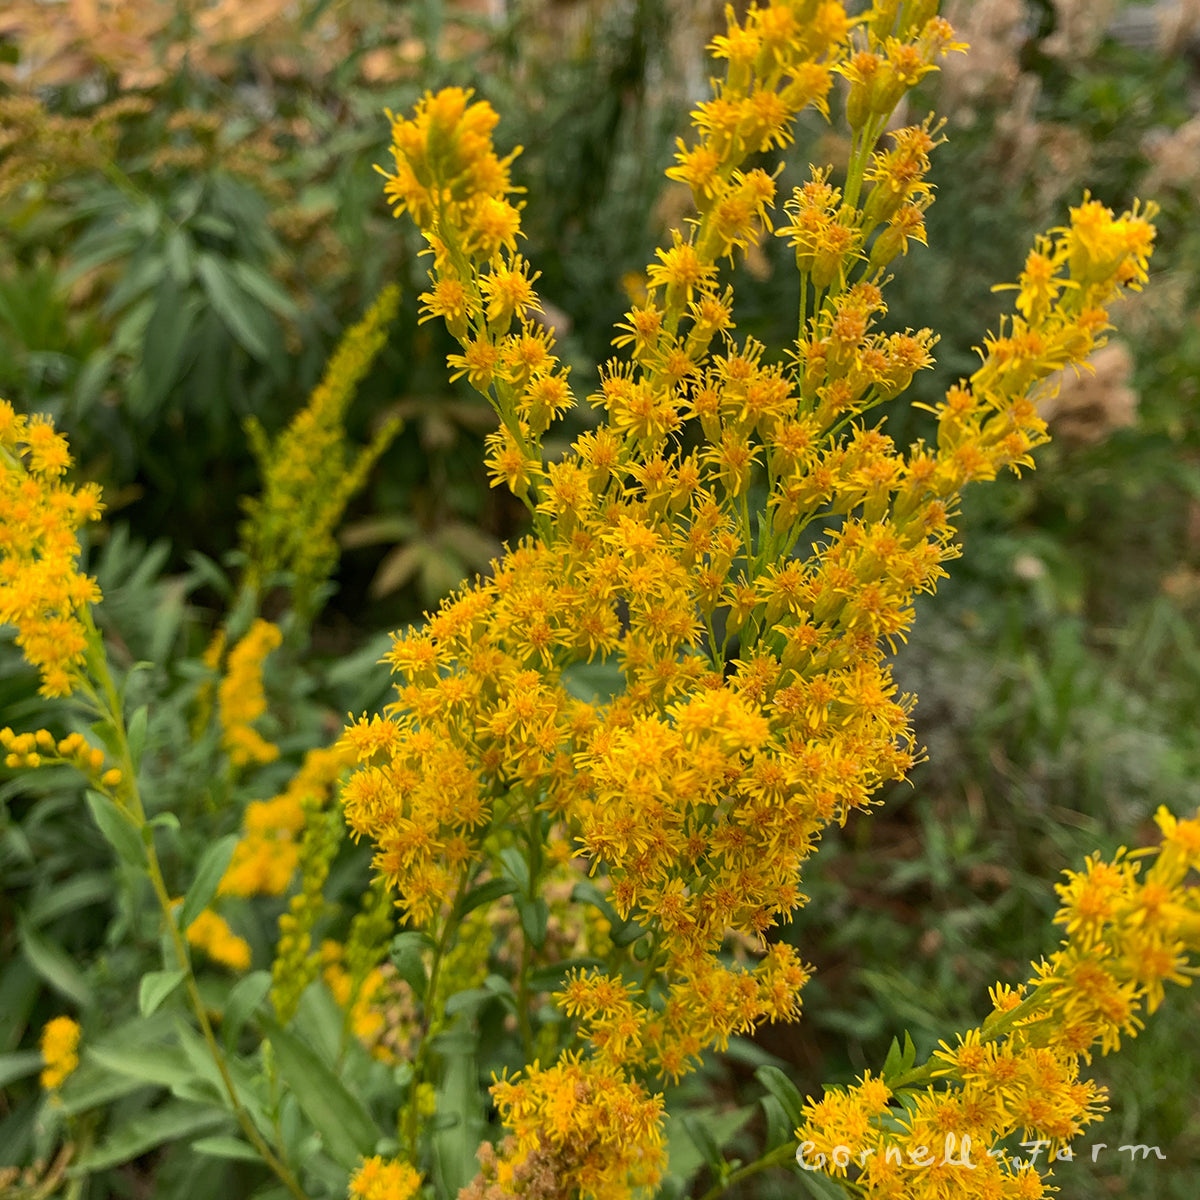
(547, 959)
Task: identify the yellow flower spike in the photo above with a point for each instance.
(1125, 940)
(445, 162)
(309, 476)
(59, 1044)
(241, 699)
(42, 592)
(757, 704)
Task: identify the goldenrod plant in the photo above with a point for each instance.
(578, 826)
(308, 478)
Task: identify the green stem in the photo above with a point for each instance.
(773, 1158)
(523, 1021)
(990, 1032)
(863, 146)
(108, 705)
(527, 947)
(420, 1063)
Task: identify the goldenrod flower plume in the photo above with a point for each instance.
(42, 591)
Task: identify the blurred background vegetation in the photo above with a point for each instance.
(189, 217)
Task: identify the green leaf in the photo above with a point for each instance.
(80, 891)
(319, 1022)
(784, 1090)
(241, 316)
(118, 828)
(140, 275)
(515, 867)
(244, 998)
(155, 987)
(225, 1146)
(685, 1155)
(468, 1001)
(743, 1050)
(179, 257)
(454, 1144)
(485, 893)
(779, 1128)
(218, 227)
(820, 1186)
(347, 1129)
(899, 1061)
(206, 1084)
(625, 933)
(86, 1091)
(97, 249)
(704, 1141)
(535, 919)
(54, 964)
(164, 342)
(169, 1123)
(622, 932)
(156, 1064)
(213, 863)
(265, 290)
(18, 1066)
(461, 1038)
(406, 956)
(205, 572)
(893, 1065)
(136, 734)
(595, 681)
(92, 378)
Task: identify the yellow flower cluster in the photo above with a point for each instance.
(379, 1006)
(450, 179)
(757, 703)
(1126, 937)
(241, 699)
(41, 749)
(603, 1128)
(308, 478)
(265, 858)
(378, 1179)
(1127, 934)
(60, 1051)
(210, 932)
(42, 592)
(40, 146)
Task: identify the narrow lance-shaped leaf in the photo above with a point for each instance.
(346, 1128)
(213, 863)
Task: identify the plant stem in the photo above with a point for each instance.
(412, 1116)
(989, 1033)
(773, 1158)
(108, 704)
